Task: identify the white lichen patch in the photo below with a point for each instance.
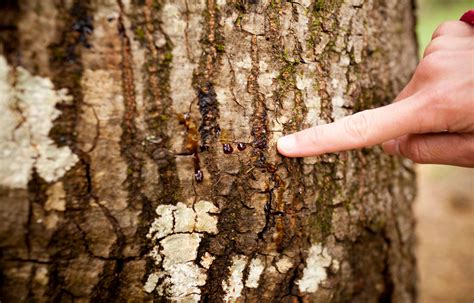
(182, 282)
(207, 260)
(204, 221)
(176, 234)
(256, 268)
(316, 269)
(151, 282)
(179, 248)
(28, 107)
(234, 285)
(184, 218)
(283, 264)
(163, 225)
(155, 255)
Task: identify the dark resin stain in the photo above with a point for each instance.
(192, 135)
(208, 107)
(241, 146)
(192, 144)
(84, 27)
(227, 148)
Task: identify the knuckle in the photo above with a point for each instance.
(431, 63)
(357, 126)
(429, 50)
(444, 28)
(435, 45)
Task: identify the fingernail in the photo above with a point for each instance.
(286, 144)
(392, 147)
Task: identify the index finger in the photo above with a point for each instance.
(362, 129)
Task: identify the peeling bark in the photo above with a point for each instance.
(158, 178)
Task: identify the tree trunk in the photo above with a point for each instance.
(139, 161)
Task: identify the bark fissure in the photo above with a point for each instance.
(259, 117)
(207, 102)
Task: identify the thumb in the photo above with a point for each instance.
(446, 148)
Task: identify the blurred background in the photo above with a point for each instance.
(445, 203)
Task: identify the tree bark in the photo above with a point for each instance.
(139, 160)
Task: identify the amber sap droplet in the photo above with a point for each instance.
(241, 146)
(198, 175)
(227, 148)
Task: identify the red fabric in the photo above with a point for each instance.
(468, 17)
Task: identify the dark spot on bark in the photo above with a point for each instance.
(261, 159)
(227, 148)
(241, 146)
(209, 110)
(84, 27)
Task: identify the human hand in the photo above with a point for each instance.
(431, 120)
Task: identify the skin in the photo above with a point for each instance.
(431, 120)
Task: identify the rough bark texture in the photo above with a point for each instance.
(139, 162)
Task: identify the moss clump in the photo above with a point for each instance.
(168, 57)
(156, 5)
(286, 78)
(140, 33)
(318, 5)
(220, 48)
